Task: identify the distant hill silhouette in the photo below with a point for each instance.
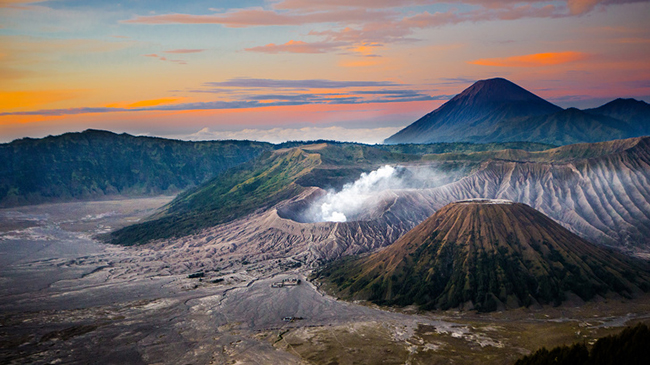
(565, 127)
(634, 112)
(93, 164)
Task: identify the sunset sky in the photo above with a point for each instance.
(280, 70)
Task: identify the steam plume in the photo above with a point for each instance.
(337, 207)
(363, 196)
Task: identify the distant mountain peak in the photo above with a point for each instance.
(474, 113)
(497, 90)
(623, 103)
(627, 101)
(498, 110)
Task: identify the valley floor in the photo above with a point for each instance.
(67, 298)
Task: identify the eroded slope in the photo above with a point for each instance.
(486, 254)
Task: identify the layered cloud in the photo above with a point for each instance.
(315, 55)
(152, 102)
(532, 60)
(383, 21)
(329, 4)
(247, 93)
(305, 84)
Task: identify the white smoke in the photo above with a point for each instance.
(337, 207)
(364, 195)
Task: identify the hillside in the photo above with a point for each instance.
(497, 110)
(603, 198)
(463, 147)
(486, 255)
(634, 112)
(258, 185)
(562, 128)
(595, 190)
(93, 164)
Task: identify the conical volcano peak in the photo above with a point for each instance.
(487, 255)
(475, 113)
(497, 90)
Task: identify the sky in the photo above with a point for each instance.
(276, 70)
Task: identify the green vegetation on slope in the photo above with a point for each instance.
(628, 347)
(344, 163)
(485, 256)
(258, 184)
(577, 151)
(273, 177)
(254, 185)
(463, 147)
(93, 163)
(562, 128)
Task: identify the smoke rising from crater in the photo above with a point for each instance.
(361, 198)
(339, 206)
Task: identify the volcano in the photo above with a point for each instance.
(486, 255)
(497, 110)
(475, 111)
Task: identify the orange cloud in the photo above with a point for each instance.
(153, 102)
(297, 47)
(142, 103)
(28, 99)
(532, 60)
(367, 49)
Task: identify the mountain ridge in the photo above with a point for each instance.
(94, 164)
(497, 110)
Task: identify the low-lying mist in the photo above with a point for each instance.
(364, 195)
